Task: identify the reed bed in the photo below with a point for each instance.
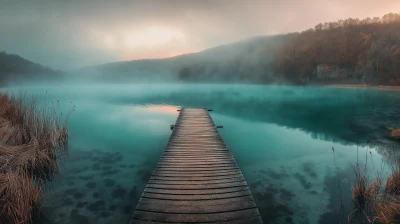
(376, 201)
(32, 138)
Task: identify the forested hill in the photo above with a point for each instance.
(348, 51)
(355, 50)
(15, 68)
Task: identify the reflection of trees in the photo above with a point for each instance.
(337, 115)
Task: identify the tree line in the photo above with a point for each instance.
(359, 51)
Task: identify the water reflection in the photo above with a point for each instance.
(281, 137)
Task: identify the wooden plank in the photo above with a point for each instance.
(166, 162)
(196, 218)
(188, 182)
(193, 197)
(196, 192)
(204, 206)
(197, 174)
(195, 169)
(196, 186)
(192, 178)
(196, 179)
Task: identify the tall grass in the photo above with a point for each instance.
(375, 200)
(32, 137)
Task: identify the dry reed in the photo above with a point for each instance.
(32, 137)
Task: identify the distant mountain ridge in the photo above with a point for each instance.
(228, 62)
(15, 68)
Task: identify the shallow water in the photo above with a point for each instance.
(281, 136)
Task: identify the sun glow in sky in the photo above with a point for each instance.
(147, 37)
(148, 42)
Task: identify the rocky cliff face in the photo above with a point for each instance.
(327, 72)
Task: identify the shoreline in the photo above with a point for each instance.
(359, 86)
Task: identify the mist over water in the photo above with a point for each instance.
(281, 137)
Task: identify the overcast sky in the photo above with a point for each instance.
(74, 33)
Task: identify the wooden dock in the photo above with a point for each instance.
(196, 180)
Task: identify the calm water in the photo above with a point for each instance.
(281, 137)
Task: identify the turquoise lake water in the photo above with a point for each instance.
(281, 136)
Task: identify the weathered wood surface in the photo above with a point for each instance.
(196, 180)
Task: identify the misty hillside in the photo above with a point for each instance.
(347, 51)
(15, 68)
(246, 60)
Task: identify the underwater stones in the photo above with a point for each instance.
(132, 165)
(69, 183)
(256, 184)
(303, 181)
(144, 175)
(70, 191)
(124, 166)
(109, 182)
(132, 193)
(96, 206)
(78, 195)
(288, 220)
(75, 171)
(110, 172)
(95, 158)
(96, 166)
(95, 195)
(127, 209)
(309, 169)
(91, 185)
(286, 195)
(67, 202)
(106, 168)
(284, 209)
(113, 158)
(81, 204)
(119, 193)
(88, 177)
(97, 151)
(85, 155)
(313, 192)
(78, 218)
(112, 207)
(273, 174)
(264, 197)
(104, 214)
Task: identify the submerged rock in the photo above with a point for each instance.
(78, 218)
(96, 195)
(78, 195)
(81, 204)
(128, 209)
(104, 214)
(91, 185)
(109, 182)
(67, 202)
(70, 191)
(119, 193)
(98, 205)
(132, 193)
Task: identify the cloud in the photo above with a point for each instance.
(67, 34)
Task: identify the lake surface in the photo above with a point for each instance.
(281, 136)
